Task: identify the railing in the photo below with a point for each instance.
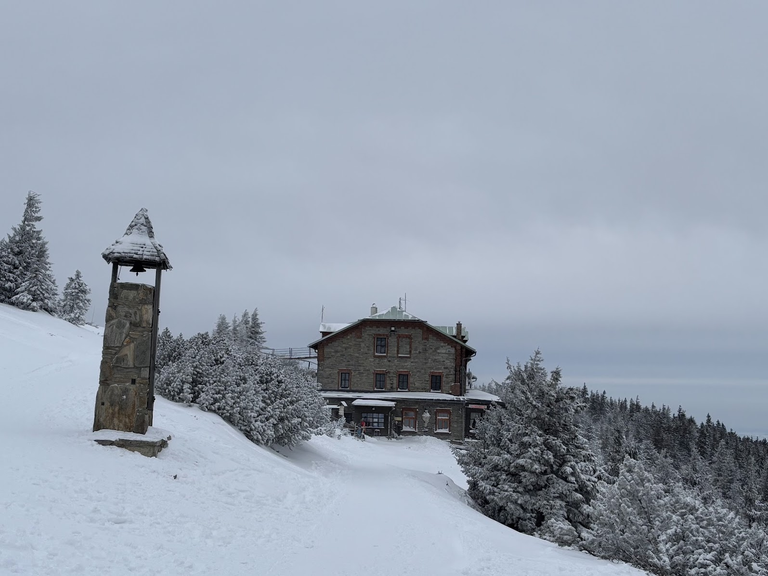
(293, 353)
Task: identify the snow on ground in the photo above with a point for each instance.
(214, 503)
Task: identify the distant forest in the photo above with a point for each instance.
(623, 481)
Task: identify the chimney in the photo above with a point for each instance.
(374, 310)
(458, 331)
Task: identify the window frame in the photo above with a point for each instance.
(376, 374)
(442, 415)
(405, 338)
(348, 374)
(371, 417)
(415, 412)
(385, 338)
(438, 374)
(407, 381)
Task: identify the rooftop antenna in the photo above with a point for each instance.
(322, 314)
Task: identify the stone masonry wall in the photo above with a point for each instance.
(121, 400)
(354, 352)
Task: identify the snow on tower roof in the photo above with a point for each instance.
(138, 245)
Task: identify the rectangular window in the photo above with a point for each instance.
(344, 378)
(409, 419)
(380, 345)
(374, 420)
(379, 380)
(404, 345)
(436, 382)
(402, 381)
(442, 420)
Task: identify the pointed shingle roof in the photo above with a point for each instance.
(138, 246)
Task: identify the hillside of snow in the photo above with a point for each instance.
(213, 502)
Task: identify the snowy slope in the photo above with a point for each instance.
(214, 503)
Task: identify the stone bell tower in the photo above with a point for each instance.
(126, 394)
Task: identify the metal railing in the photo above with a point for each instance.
(293, 353)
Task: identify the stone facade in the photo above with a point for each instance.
(121, 400)
(397, 361)
(354, 352)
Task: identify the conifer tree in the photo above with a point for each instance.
(75, 300)
(256, 333)
(268, 400)
(531, 469)
(629, 517)
(8, 272)
(223, 328)
(244, 328)
(27, 281)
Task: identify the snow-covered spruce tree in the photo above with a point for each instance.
(530, 468)
(169, 349)
(629, 517)
(184, 379)
(244, 328)
(292, 397)
(268, 400)
(222, 329)
(256, 333)
(75, 300)
(8, 272)
(27, 281)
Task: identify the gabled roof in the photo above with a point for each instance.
(384, 318)
(138, 246)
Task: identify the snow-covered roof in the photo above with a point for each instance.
(451, 331)
(138, 245)
(382, 403)
(480, 395)
(394, 313)
(393, 396)
(332, 327)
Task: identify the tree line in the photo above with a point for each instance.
(26, 279)
(620, 480)
(272, 401)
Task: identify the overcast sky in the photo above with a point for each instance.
(588, 178)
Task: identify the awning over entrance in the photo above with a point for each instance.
(378, 403)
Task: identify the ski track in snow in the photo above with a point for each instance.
(214, 503)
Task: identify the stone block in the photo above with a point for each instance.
(147, 315)
(116, 331)
(130, 313)
(116, 407)
(143, 348)
(149, 448)
(105, 371)
(125, 357)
